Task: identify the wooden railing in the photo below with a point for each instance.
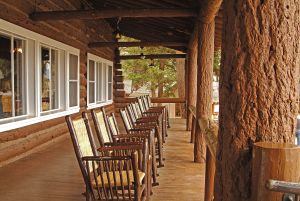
(210, 130)
(154, 100)
(284, 187)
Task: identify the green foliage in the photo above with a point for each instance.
(163, 72)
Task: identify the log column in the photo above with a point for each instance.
(192, 77)
(204, 83)
(118, 76)
(258, 87)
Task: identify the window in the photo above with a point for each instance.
(99, 81)
(73, 80)
(49, 77)
(12, 77)
(110, 82)
(39, 77)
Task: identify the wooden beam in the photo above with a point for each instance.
(137, 44)
(153, 56)
(110, 13)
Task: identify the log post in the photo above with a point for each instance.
(273, 161)
(258, 87)
(192, 76)
(204, 83)
(118, 76)
(186, 89)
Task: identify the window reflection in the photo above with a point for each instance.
(49, 64)
(12, 77)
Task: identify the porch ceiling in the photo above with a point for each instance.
(156, 29)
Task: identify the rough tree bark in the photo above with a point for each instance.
(258, 84)
(160, 93)
(180, 74)
(206, 33)
(192, 75)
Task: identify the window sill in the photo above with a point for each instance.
(93, 106)
(28, 120)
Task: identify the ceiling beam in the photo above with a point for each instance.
(137, 44)
(153, 56)
(110, 13)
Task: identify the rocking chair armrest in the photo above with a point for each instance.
(125, 146)
(146, 123)
(131, 135)
(104, 158)
(146, 119)
(108, 144)
(283, 186)
(141, 129)
(155, 109)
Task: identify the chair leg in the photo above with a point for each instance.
(160, 148)
(154, 168)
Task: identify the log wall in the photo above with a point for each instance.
(20, 142)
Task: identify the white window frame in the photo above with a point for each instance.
(39, 40)
(105, 64)
(68, 81)
(112, 81)
(12, 36)
(58, 79)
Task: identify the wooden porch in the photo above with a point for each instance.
(53, 173)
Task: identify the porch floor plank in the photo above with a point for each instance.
(53, 174)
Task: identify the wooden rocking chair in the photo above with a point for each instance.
(133, 136)
(154, 112)
(110, 131)
(130, 126)
(111, 173)
(149, 105)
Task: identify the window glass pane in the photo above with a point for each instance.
(91, 70)
(49, 64)
(45, 64)
(109, 91)
(104, 82)
(91, 92)
(109, 73)
(110, 69)
(73, 80)
(54, 79)
(19, 77)
(5, 77)
(99, 82)
(73, 97)
(73, 67)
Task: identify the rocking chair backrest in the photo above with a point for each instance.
(101, 127)
(137, 109)
(148, 100)
(145, 101)
(141, 105)
(112, 122)
(133, 107)
(127, 123)
(130, 113)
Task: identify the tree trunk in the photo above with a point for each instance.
(161, 84)
(258, 81)
(204, 83)
(180, 74)
(192, 75)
